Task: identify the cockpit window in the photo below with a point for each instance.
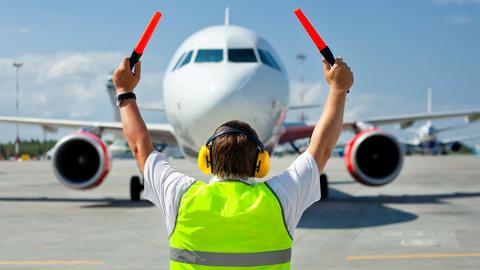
(264, 58)
(186, 59)
(242, 55)
(178, 61)
(268, 59)
(209, 55)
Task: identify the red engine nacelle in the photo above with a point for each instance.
(373, 157)
(81, 160)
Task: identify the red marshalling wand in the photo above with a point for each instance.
(321, 45)
(142, 43)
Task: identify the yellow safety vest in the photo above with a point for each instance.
(230, 225)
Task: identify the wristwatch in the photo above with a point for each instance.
(121, 97)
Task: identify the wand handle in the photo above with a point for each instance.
(134, 59)
(321, 45)
(142, 43)
(327, 53)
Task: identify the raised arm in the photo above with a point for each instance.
(134, 128)
(328, 128)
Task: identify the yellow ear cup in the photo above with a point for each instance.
(263, 164)
(204, 162)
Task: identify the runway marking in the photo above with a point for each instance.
(412, 256)
(51, 262)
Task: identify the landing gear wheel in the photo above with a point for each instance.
(136, 188)
(323, 187)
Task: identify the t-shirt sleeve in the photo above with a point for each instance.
(164, 186)
(297, 188)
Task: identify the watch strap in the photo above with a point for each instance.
(124, 96)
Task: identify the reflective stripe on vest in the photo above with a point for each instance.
(230, 259)
(231, 225)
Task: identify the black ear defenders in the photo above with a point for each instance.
(262, 162)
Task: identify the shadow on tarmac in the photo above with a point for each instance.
(340, 211)
(343, 211)
(342, 182)
(96, 203)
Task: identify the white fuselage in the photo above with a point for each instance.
(224, 78)
(426, 134)
(427, 140)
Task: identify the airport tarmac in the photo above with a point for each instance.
(426, 219)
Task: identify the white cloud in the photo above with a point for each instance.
(19, 30)
(312, 93)
(149, 92)
(360, 104)
(22, 30)
(460, 19)
(76, 64)
(71, 85)
(365, 105)
(65, 85)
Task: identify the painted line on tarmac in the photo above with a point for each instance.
(51, 262)
(412, 256)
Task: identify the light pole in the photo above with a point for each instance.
(17, 65)
(301, 58)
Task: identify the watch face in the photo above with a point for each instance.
(118, 101)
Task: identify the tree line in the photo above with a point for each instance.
(33, 148)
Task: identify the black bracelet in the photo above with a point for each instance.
(125, 96)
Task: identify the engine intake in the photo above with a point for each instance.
(373, 157)
(81, 160)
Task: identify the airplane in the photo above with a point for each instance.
(217, 74)
(426, 138)
(427, 141)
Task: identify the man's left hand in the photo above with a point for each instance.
(124, 79)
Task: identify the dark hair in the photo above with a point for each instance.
(234, 155)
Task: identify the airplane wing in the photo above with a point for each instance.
(159, 132)
(299, 131)
(460, 139)
(301, 107)
(406, 121)
(295, 132)
(152, 109)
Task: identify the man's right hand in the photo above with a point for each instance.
(339, 77)
(124, 79)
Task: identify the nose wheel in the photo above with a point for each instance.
(136, 188)
(323, 187)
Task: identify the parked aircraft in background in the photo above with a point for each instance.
(426, 138)
(218, 74)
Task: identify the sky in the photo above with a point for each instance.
(397, 49)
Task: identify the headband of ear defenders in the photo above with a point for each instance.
(237, 131)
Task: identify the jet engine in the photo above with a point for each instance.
(81, 160)
(373, 157)
(456, 146)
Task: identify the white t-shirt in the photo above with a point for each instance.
(297, 188)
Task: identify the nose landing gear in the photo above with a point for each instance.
(136, 188)
(323, 187)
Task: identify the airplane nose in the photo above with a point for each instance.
(219, 93)
(245, 95)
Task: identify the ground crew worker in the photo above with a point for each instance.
(233, 222)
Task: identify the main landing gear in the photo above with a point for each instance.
(323, 187)
(136, 187)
